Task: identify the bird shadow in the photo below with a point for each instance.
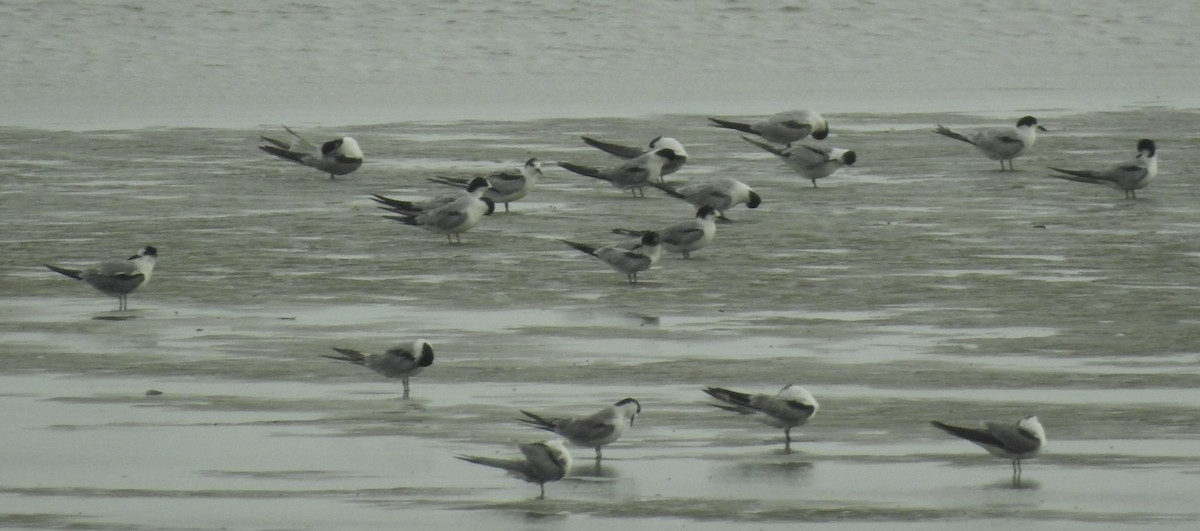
(114, 317)
(1015, 484)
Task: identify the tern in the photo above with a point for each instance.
(629, 258)
(782, 128)
(1129, 176)
(543, 462)
(454, 218)
(116, 278)
(1023, 440)
(400, 361)
(503, 186)
(630, 152)
(632, 174)
(1000, 143)
(593, 431)
(686, 236)
(793, 406)
(810, 162)
(339, 156)
(721, 194)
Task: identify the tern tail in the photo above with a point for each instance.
(350, 355)
(283, 153)
(941, 130)
(581, 247)
(73, 273)
(737, 126)
(537, 421)
(582, 170)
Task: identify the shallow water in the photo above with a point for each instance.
(219, 63)
(921, 283)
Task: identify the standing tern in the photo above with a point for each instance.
(116, 278)
(335, 157)
(400, 361)
(790, 408)
(686, 236)
(629, 258)
(810, 162)
(454, 218)
(593, 431)
(782, 128)
(1023, 440)
(632, 174)
(1000, 143)
(630, 152)
(543, 462)
(721, 194)
(1129, 176)
(503, 186)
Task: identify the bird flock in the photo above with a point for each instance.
(638, 168)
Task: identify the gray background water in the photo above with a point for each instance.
(76, 64)
(919, 284)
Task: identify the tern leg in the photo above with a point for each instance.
(814, 183)
(542, 496)
(405, 382)
(787, 436)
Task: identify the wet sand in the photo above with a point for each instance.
(920, 284)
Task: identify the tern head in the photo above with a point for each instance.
(1147, 146)
(344, 147)
(1029, 121)
(558, 453)
(795, 393)
(424, 352)
(650, 239)
(667, 153)
(148, 250)
(1034, 428)
(491, 205)
(754, 201)
(849, 158)
(669, 143)
(477, 183)
(532, 169)
(706, 212)
(822, 132)
(633, 411)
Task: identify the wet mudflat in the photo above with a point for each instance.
(920, 284)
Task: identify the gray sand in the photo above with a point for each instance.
(920, 284)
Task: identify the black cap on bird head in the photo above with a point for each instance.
(477, 183)
(148, 250)
(667, 153)
(754, 201)
(1146, 144)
